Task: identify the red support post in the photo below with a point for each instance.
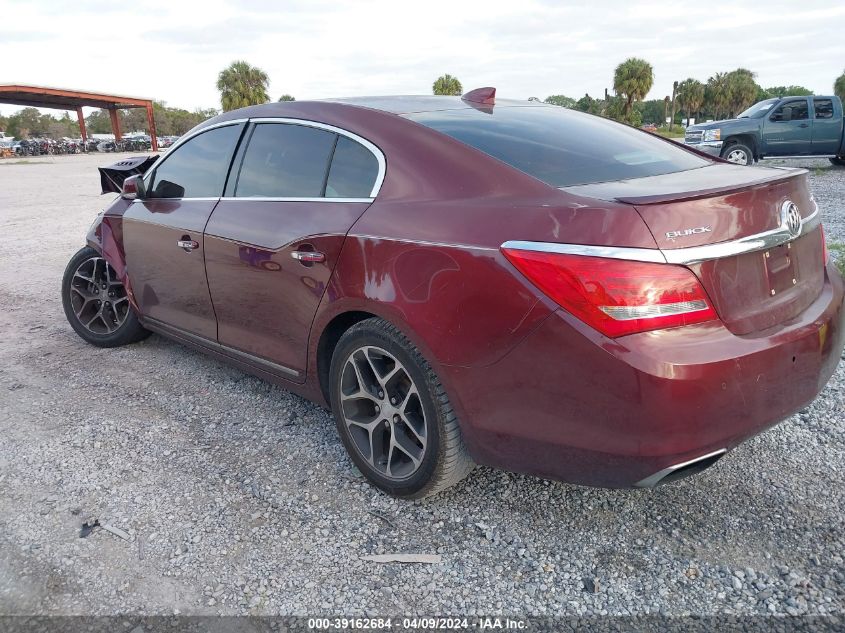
(82, 126)
(115, 123)
(151, 127)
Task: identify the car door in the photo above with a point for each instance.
(273, 240)
(163, 232)
(787, 130)
(827, 128)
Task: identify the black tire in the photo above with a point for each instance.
(86, 273)
(444, 460)
(735, 150)
(839, 161)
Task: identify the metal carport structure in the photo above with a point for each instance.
(63, 99)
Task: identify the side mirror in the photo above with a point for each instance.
(133, 188)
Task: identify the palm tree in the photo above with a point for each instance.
(839, 86)
(666, 101)
(674, 96)
(690, 96)
(287, 98)
(742, 90)
(242, 85)
(447, 85)
(716, 94)
(632, 81)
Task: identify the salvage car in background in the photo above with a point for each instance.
(466, 280)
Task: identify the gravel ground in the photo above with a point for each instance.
(235, 496)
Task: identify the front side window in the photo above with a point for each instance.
(198, 167)
(353, 172)
(823, 108)
(285, 161)
(796, 110)
(561, 147)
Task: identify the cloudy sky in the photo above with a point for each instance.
(173, 50)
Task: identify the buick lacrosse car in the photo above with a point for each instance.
(470, 280)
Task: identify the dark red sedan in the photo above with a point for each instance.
(471, 280)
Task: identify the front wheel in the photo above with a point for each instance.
(738, 154)
(392, 413)
(96, 304)
(839, 161)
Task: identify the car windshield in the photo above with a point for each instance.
(757, 110)
(559, 146)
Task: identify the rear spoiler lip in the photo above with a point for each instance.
(594, 190)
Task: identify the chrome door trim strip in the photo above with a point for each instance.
(231, 352)
(294, 199)
(684, 256)
(375, 151)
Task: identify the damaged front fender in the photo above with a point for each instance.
(106, 237)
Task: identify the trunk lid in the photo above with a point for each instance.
(751, 291)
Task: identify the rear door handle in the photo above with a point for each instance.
(309, 256)
(188, 245)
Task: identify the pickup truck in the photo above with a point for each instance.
(780, 127)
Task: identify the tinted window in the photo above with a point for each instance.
(285, 161)
(823, 108)
(791, 111)
(562, 147)
(353, 172)
(197, 168)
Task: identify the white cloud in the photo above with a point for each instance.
(173, 51)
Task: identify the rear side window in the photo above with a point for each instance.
(353, 172)
(197, 168)
(561, 147)
(796, 110)
(823, 108)
(285, 161)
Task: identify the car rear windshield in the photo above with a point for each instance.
(559, 146)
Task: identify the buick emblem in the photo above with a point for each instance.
(791, 218)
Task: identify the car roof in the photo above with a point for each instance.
(408, 104)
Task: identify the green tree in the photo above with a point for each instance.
(242, 85)
(286, 98)
(632, 80)
(588, 104)
(652, 111)
(717, 95)
(98, 122)
(742, 90)
(691, 96)
(561, 100)
(839, 87)
(786, 91)
(447, 85)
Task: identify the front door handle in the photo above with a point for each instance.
(804, 125)
(187, 244)
(309, 256)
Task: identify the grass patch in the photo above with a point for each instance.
(676, 132)
(837, 252)
(25, 162)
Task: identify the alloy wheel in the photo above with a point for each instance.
(97, 297)
(737, 156)
(383, 412)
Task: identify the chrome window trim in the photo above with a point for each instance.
(374, 150)
(182, 140)
(294, 199)
(684, 256)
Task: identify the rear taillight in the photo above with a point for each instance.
(615, 296)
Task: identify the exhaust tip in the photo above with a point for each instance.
(681, 470)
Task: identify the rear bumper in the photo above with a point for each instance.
(572, 405)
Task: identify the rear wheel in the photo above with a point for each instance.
(738, 154)
(392, 413)
(839, 161)
(96, 304)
